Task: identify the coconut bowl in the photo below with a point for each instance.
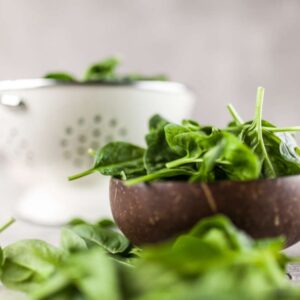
(154, 212)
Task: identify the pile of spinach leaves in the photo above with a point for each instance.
(192, 152)
(214, 261)
(105, 71)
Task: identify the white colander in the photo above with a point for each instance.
(46, 128)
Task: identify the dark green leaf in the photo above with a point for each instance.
(61, 76)
(235, 239)
(158, 152)
(191, 125)
(116, 159)
(233, 157)
(195, 153)
(104, 70)
(240, 163)
(106, 223)
(72, 242)
(110, 240)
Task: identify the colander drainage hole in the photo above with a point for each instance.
(69, 130)
(64, 143)
(81, 121)
(113, 123)
(82, 138)
(97, 119)
(96, 132)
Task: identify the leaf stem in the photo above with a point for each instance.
(258, 120)
(182, 161)
(271, 129)
(7, 224)
(235, 114)
(141, 179)
(157, 175)
(283, 129)
(82, 174)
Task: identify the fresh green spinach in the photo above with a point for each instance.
(105, 71)
(158, 151)
(117, 159)
(214, 260)
(195, 153)
(28, 263)
(60, 76)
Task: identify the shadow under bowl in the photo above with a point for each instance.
(153, 212)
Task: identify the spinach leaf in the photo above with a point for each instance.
(104, 70)
(88, 275)
(107, 223)
(60, 76)
(118, 157)
(189, 145)
(103, 223)
(158, 152)
(80, 235)
(195, 153)
(191, 125)
(184, 141)
(204, 263)
(277, 151)
(253, 136)
(70, 241)
(208, 262)
(208, 163)
(239, 162)
(156, 122)
(233, 238)
(27, 263)
(287, 159)
(282, 153)
(288, 147)
(95, 275)
(112, 241)
(232, 157)
(115, 159)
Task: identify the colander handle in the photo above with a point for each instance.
(11, 100)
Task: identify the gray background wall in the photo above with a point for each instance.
(224, 49)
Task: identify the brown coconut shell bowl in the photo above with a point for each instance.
(153, 212)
